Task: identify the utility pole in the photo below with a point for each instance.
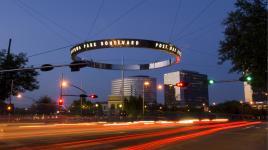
(143, 96)
(61, 93)
(9, 45)
(7, 74)
(122, 79)
(81, 102)
(11, 87)
(11, 92)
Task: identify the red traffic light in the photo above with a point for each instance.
(93, 96)
(61, 101)
(181, 84)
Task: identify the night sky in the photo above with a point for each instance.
(37, 26)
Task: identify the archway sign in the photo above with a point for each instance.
(126, 43)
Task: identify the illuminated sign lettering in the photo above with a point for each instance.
(129, 43)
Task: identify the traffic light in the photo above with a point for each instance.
(181, 84)
(61, 102)
(76, 65)
(246, 78)
(10, 107)
(83, 95)
(46, 67)
(93, 96)
(211, 81)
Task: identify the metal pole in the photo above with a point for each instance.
(81, 111)
(61, 90)
(11, 93)
(61, 85)
(11, 89)
(81, 103)
(122, 78)
(143, 99)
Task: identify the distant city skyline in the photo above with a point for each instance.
(44, 25)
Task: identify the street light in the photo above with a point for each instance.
(145, 84)
(213, 103)
(8, 108)
(159, 87)
(19, 96)
(64, 83)
(97, 105)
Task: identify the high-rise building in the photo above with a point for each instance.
(195, 94)
(256, 98)
(248, 93)
(133, 86)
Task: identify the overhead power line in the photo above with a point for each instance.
(49, 19)
(201, 29)
(175, 20)
(121, 16)
(41, 22)
(194, 19)
(113, 22)
(95, 19)
(51, 50)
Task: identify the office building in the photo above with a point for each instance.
(195, 94)
(256, 98)
(133, 86)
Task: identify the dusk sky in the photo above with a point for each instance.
(38, 26)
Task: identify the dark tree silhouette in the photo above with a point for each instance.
(23, 80)
(45, 105)
(245, 43)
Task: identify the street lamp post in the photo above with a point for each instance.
(65, 84)
(145, 84)
(11, 92)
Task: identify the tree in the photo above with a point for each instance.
(23, 80)
(245, 43)
(45, 105)
(87, 107)
(232, 107)
(133, 106)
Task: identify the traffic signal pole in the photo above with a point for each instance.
(61, 90)
(227, 81)
(11, 92)
(81, 102)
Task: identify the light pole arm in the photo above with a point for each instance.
(78, 88)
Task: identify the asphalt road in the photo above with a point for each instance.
(137, 135)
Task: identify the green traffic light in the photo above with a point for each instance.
(211, 81)
(248, 78)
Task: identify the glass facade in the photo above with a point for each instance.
(134, 86)
(195, 94)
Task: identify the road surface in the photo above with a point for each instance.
(165, 135)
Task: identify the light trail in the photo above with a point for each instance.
(120, 138)
(159, 143)
(76, 128)
(56, 130)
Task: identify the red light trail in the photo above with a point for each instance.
(120, 138)
(158, 143)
